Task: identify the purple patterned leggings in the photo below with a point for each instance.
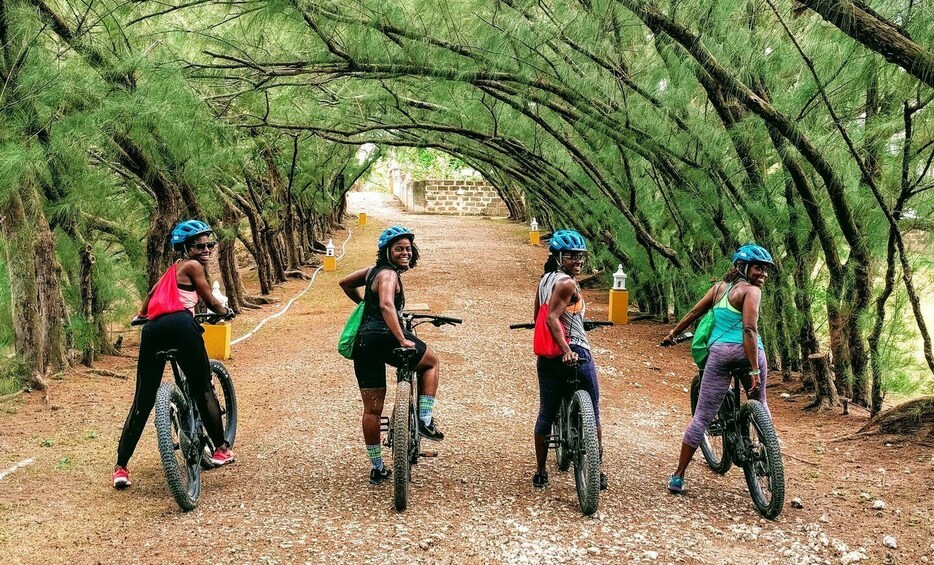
(715, 384)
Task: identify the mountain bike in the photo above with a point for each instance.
(402, 427)
(574, 434)
(184, 445)
(742, 434)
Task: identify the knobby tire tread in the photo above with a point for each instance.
(559, 428)
(756, 411)
(400, 446)
(586, 470)
(186, 497)
(230, 400)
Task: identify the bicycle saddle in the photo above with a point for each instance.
(167, 354)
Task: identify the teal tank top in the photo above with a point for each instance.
(728, 323)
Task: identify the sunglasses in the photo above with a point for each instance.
(575, 257)
(203, 246)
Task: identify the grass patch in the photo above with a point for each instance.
(12, 375)
(47, 442)
(64, 464)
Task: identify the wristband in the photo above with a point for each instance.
(755, 372)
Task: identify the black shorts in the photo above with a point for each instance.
(373, 351)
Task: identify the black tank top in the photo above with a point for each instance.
(372, 314)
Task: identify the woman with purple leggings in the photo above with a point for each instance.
(734, 342)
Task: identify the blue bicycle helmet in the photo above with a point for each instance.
(567, 240)
(752, 253)
(188, 230)
(393, 233)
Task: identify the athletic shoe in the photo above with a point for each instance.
(377, 476)
(675, 484)
(430, 431)
(603, 482)
(121, 477)
(222, 456)
(539, 480)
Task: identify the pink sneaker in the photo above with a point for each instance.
(121, 477)
(222, 456)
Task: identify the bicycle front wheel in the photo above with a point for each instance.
(560, 430)
(223, 389)
(179, 445)
(586, 451)
(400, 445)
(714, 444)
(763, 466)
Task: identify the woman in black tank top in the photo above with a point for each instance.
(380, 333)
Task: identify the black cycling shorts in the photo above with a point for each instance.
(373, 351)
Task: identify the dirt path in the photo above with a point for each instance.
(299, 491)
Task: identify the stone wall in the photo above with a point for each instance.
(455, 197)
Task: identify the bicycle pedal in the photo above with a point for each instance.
(428, 454)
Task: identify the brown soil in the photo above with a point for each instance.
(299, 490)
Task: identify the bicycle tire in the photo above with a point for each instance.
(560, 429)
(228, 403)
(400, 446)
(586, 452)
(221, 375)
(180, 461)
(764, 460)
(716, 446)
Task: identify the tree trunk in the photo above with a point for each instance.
(35, 285)
(826, 398)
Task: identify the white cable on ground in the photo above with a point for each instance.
(19, 465)
(296, 297)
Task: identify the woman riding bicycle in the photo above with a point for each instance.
(560, 291)
(174, 327)
(734, 342)
(380, 333)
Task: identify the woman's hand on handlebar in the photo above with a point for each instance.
(570, 357)
(668, 340)
(407, 343)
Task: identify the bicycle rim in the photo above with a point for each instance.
(560, 430)
(223, 387)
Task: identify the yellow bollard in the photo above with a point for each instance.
(217, 340)
(619, 299)
(330, 261)
(362, 219)
(535, 237)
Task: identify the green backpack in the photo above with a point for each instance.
(701, 342)
(349, 335)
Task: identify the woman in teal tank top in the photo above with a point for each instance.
(734, 342)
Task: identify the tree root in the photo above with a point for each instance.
(106, 373)
(912, 418)
(11, 396)
(260, 300)
(296, 274)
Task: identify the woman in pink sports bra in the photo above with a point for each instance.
(177, 329)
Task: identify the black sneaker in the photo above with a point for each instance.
(430, 431)
(539, 480)
(603, 482)
(377, 476)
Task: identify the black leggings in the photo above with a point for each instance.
(171, 331)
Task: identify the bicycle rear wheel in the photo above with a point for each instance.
(179, 445)
(223, 389)
(763, 466)
(714, 445)
(560, 429)
(586, 451)
(401, 433)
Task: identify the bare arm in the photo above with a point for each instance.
(352, 282)
(560, 298)
(695, 313)
(386, 282)
(751, 299)
(537, 306)
(196, 274)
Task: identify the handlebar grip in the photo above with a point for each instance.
(137, 321)
(522, 326)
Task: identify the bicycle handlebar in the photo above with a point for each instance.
(206, 318)
(686, 336)
(588, 325)
(437, 321)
